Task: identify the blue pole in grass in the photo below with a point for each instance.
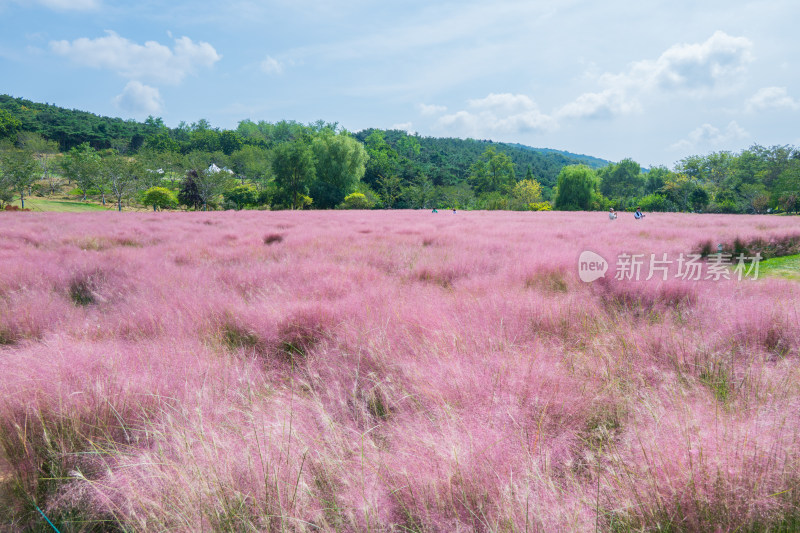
(48, 520)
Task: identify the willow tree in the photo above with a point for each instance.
(340, 164)
(575, 188)
(293, 166)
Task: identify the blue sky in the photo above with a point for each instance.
(652, 80)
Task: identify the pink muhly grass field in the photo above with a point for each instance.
(392, 371)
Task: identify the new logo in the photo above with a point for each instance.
(591, 266)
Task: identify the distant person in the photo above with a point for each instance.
(612, 215)
(434, 210)
(454, 210)
(638, 214)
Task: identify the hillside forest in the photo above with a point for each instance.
(46, 150)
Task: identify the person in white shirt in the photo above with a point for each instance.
(611, 214)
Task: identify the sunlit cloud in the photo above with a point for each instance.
(139, 99)
(772, 98)
(404, 126)
(605, 104)
(498, 113)
(708, 136)
(151, 61)
(692, 68)
(428, 110)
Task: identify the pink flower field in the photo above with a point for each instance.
(393, 371)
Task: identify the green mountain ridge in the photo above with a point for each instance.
(588, 160)
(445, 160)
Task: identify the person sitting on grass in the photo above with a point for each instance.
(638, 214)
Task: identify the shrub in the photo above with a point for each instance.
(540, 206)
(656, 203)
(356, 200)
(159, 198)
(240, 196)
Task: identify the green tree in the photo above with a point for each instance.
(161, 167)
(656, 203)
(204, 140)
(229, 141)
(493, 171)
(755, 197)
(390, 189)
(656, 178)
(459, 196)
(9, 124)
(575, 188)
(527, 191)
(82, 165)
(162, 142)
(154, 125)
(44, 151)
(421, 194)
(383, 161)
(622, 180)
(698, 199)
(684, 193)
(209, 179)
(293, 166)
(121, 177)
(159, 198)
(787, 188)
(340, 164)
(408, 146)
(253, 163)
(20, 171)
(241, 196)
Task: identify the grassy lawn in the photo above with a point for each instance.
(785, 267)
(61, 206)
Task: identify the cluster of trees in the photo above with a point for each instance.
(70, 128)
(755, 180)
(319, 165)
(35, 164)
(322, 162)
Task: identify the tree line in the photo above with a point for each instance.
(44, 148)
(755, 180)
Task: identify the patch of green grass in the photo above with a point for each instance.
(787, 267)
(60, 206)
(718, 379)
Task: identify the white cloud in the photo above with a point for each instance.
(692, 68)
(498, 113)
(405, 126)
(65, 5)
(772, 98)
(270, 65)
(605, 104)
(139, 99)
(427, 110)
(708, 136)
(152, 61)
